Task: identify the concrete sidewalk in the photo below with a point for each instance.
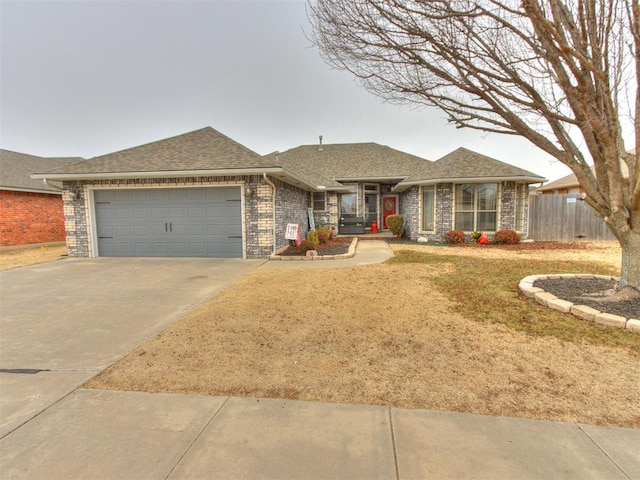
(125, 435)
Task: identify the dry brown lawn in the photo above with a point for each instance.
(14, 257)
(392, 334)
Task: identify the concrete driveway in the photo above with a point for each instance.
(63, 322)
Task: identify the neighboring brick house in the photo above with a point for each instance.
(568, 185)
(203, 194)
(30, 210)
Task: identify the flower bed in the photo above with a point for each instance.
(336, 246)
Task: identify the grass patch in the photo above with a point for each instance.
(443, 332)
(487, 290)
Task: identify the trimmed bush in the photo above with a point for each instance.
(455, 236)
(395, 223)
(313, 238)
(506, 237)
(305, 246)
(325, 233)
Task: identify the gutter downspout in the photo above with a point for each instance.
(273, 209)
(72, 195)
(56, 187)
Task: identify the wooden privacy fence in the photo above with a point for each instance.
(564, 218)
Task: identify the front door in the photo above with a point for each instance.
(389, 207)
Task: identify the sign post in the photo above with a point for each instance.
(293, 233)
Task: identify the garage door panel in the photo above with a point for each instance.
(177, 212)
(124, 230)
(178, 231)
(196, 212)
(197, 230)
(141, 212)
(154, 195)
(169, 222)
(198, 195)
(161, 249)
(159, 212)
(121, 212)
(177, 194)
(216, 211)
(143, 230)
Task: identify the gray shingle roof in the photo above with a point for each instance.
(569, 181)
(464, 164)
(350, 161)
(204, 149)
(16, 168)
(307, 166)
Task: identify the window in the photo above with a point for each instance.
(521, 196)
(428, 208)
(319, 201)
(348, 201)
(476, 207)
(370, 204)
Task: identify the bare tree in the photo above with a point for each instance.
(562, 73)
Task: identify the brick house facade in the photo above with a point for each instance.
(258, 218)
(30, 210)
(30, 217)
(201, 193)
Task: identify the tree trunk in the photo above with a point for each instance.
(630, 269)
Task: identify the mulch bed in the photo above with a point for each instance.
(589, 292)
(517, 247)
(337, 246)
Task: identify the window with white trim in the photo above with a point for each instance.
(428, 208)
(476, 207)
(319, 201)
(348, 201)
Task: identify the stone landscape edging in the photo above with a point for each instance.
(300, 258)
(581, 311)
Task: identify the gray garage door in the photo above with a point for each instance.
(172, 222)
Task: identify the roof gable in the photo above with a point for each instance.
(327, 165)
(16, 170)
(204, 149)
(466, 165)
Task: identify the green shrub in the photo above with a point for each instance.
(506, 237)
(324, 233)
(313, 238)
(305, 246)
(395, 223)
(455, 236)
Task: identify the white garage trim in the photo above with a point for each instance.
(91, 215)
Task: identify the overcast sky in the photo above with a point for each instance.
(86, 78)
